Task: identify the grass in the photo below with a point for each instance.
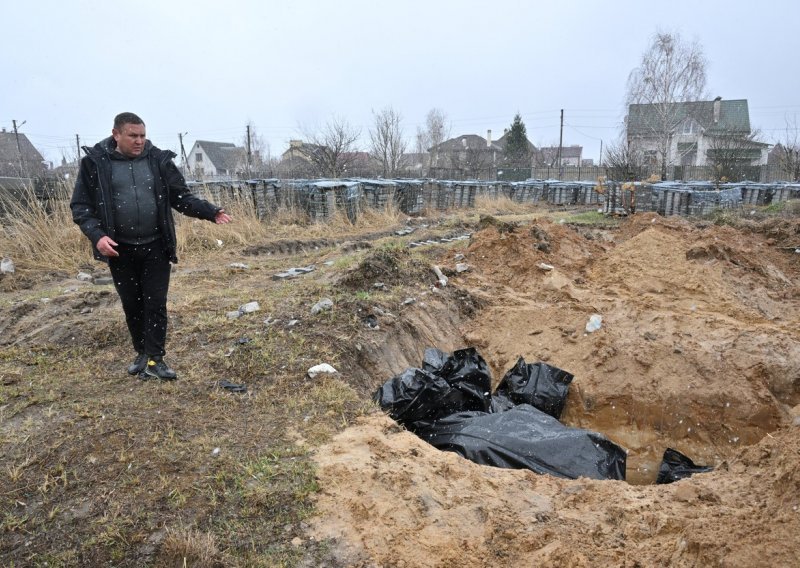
(43, 239)
(100, 468)
(591, 218)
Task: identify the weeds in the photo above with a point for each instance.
(190, 547)
(592, 218)
(122, 459)
(41, 235)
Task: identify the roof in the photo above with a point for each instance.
(224, 155)
(734, 116)
(9, 154)
(470, 141)
(301, 150)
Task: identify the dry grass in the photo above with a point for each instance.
(502, 205)
(102, 462)
(198, 238)
(43, 238)
(184, 548)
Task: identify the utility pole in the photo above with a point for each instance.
(78, 145)
(184, 160)
(249, 155)
(560, 141)
(19, 149)
(601, 154)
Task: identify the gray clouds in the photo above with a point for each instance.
(206, 68)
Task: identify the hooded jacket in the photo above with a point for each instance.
(92, 202)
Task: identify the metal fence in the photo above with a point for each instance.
(322, 199)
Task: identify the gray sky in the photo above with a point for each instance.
(207, 68)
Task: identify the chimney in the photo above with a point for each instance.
(464, 142)
(488, 138)
(717, 104)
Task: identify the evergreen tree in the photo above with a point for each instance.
(517, 153)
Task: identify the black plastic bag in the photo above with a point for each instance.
(675, 466)
(448, 384)
(524, 437)
(448, 403)
(433, 359)
(538, 384)
(415, 396)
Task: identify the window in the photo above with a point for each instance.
(198, 157)
(691, 127)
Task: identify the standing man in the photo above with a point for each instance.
(123, 200)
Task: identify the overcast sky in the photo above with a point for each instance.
(207, 68)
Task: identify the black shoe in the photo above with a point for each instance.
(157, 368)
(138, 364)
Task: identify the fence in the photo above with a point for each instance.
(321, 199)
(770, 173)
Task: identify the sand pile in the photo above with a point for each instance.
(699, 350)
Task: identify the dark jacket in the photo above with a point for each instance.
(92, 203)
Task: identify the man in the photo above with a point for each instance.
(123, 200)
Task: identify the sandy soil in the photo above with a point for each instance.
(699, 351)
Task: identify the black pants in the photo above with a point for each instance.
(141, 277)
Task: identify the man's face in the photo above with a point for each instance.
(130, 140)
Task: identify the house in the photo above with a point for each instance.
(299, 150)
(304, 159)
(216, 161)
(699, 133)
(468, 154)
(18, 157)
(776, 155)
(555, 156)
(297, 161)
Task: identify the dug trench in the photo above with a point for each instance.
(698, 350)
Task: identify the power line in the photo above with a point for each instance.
(583, 133)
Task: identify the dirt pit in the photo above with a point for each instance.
(699, 351)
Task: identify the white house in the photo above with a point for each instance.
(216, 161)
(698, 132)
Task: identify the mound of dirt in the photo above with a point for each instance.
(51, 321)
(386, 265)
(390, 499)
(698, 350)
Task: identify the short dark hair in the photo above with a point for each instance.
(124, 118)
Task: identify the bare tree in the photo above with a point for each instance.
(789, 151)
(332, 148)
(387, 144)
(437, 130)
(671, 72)
(624, 161)
(421, 141)
(731, 155)
(476, 161)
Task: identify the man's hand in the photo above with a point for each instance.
(221, 217)
(106, 247)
